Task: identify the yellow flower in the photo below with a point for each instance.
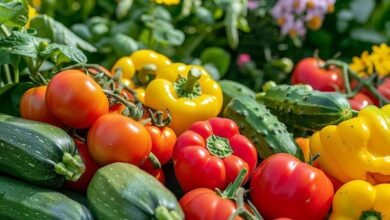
(362, 65)
(31, 13)
(35, 3)
(381, 58)
(167, 2)
(382, 50)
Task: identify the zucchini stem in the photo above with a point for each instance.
(162, 213)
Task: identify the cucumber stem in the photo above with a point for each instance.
(162, 213)
(72, 167)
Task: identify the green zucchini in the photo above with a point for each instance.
(232, 89)
(38, 153)
(266, 132)
(22, 201)
(123, 191)
(300, 107)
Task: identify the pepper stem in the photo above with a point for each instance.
(231, 190)
(218, 146)
(146, 72)
(370, 215)
(162, 213)
(193, 76)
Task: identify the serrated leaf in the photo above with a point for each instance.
(20, 43)
(64, 54)
(14, 13)
(49, 28)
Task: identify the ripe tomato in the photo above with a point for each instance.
(308, 71)
(116, 138)
(163, 141)
(157, 173)
(90, 169)
(204, 204)
(283, 186)
(33, 106)
(76, 99)
(360, 101)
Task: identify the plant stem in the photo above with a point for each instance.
(5, 30)
(193, 77)
(7, 74)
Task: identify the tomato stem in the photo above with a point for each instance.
(241, 209)
(230, 191)
(157, 118)
(154, 160)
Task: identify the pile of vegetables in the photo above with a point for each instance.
(156, 137)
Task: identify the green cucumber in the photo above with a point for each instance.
(266, 132)
(232, 89)
(22, 201)
(300, 107)
(123, 191)
(38, 153)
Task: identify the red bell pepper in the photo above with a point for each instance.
(283, 186)
(211, 153)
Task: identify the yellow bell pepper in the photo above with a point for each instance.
(358, 148)
(188, 92)
(360, 200)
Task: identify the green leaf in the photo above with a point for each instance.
(367, 35)
(213, 71)
(10, 100)
(362, 9)
(123, 8)
(14, 13)
(47, 27)
(205, 15)
(6, 88)
(124, 45)
(64, 54)
(168, 35)
(231, 23)
(217, 56)
(20, 43)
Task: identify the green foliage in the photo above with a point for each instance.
(13, 13)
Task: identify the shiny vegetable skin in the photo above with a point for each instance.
(210, 154)
(283, 186)
(22, 201)
(357, 148)
(187, 103)
(33, 107)
(38, 153)
(76, 99)
(303, 108)
(266, 132)
(123, 191)
(212, 205)
(232, 89)
(117, 138)
(360, 200)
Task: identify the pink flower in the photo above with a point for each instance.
(243, 58)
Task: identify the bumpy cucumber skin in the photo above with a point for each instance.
(21, 201)
(266, 132)
(123, 191)
(232, 89)
(302, 108)
(29, 150)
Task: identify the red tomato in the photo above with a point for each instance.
(384, 88)
(210, 154)
(283, 186)
(116, 138)
(205, 204)
(308, 71)
(33, 107)
(163, 141)
(117, 108)
(90, 169)
(76, 99)
(360, 101)
(157, 173)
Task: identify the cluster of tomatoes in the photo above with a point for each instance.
(74, 100)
